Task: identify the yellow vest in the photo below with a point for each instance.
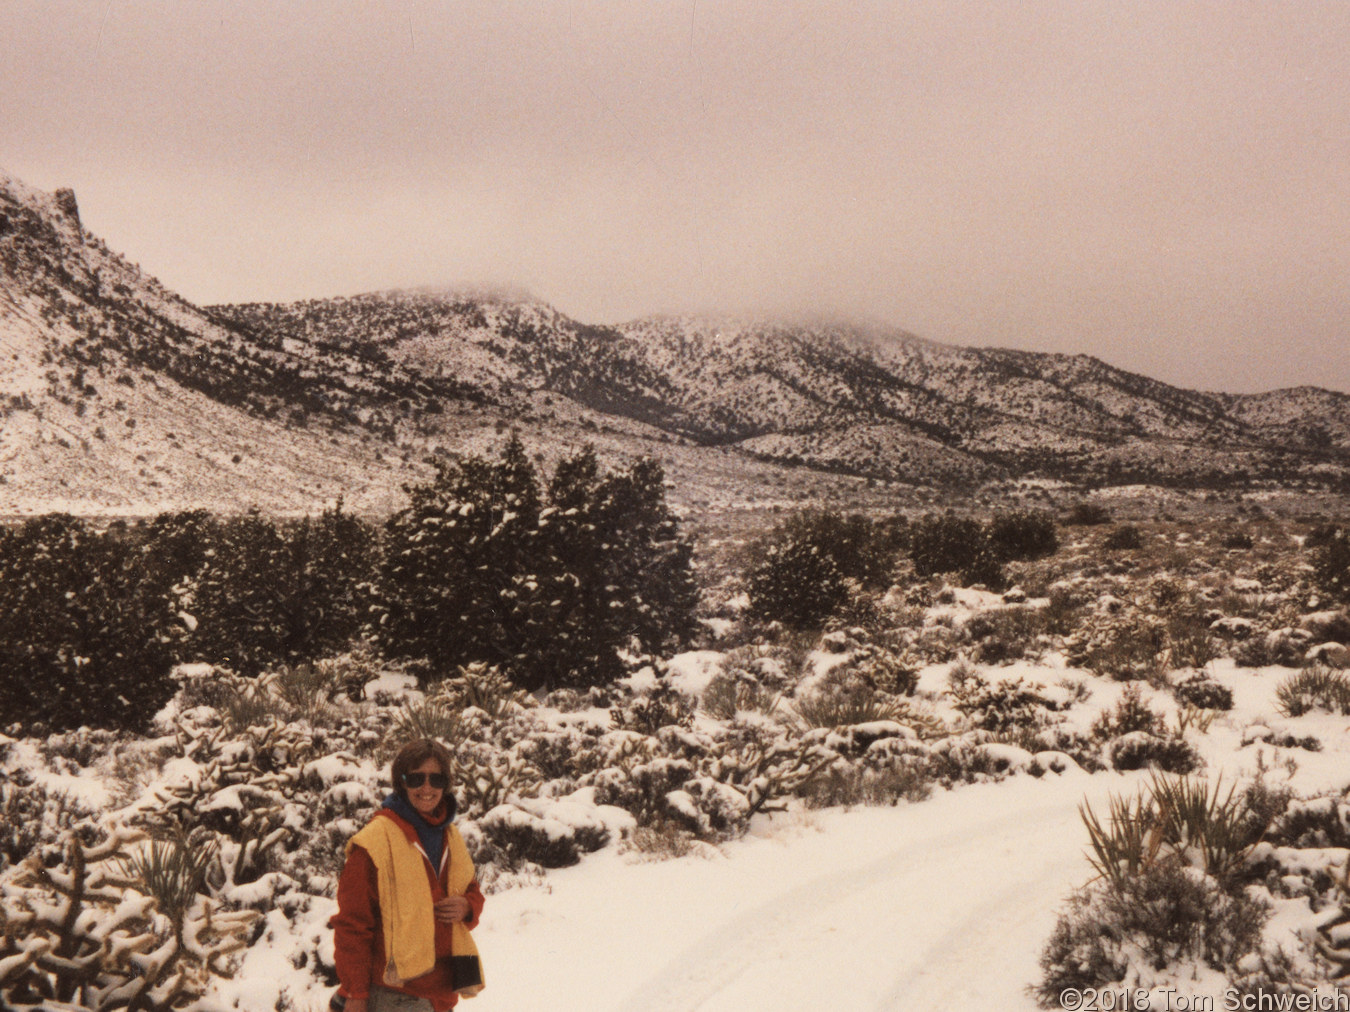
(406, 911)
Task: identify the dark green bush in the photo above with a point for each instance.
(1022, 535)
(800, 576)
(1087, 514)
(1126, 537)
(1199, 690)
(550, 584)
(272, 592)
(798, 584)
(1169, 913)
(1331, 565)
(949, 543)
(85, 639)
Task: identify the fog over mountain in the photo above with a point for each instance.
(1161, 186)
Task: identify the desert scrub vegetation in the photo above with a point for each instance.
(1331, 562)
(1314, 688)
(806, 566)
(489, 563)
(1169, 890)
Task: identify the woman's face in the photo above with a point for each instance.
(425, 798)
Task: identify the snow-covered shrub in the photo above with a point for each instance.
(549, 583)
(974, 757)
(32, 817)
(880, 764)
(1285, 646)
(884, 668)
(760, 764)
(661, 842)
(998, 705)
(1062, 612)
(948, 543)
(1314, 688)
(549, 834)
(83, 933)
(1125, 645)
(1169, 892)
(797, 583)
(646, 708)
(817, 563)
(1139, 750)
(639, 782)
(564, 752)
(1199, 690)
(484, 687)
(485, 774)
(1166, 915)
(1312, 822)
(1004, 634)
(84, 638)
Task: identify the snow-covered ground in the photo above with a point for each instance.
(941, 904)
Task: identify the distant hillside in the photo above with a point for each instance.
(845, 399)
(118, 395)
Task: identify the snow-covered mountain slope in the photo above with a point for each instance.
(119, 397)
(839, 397)
(116, 394)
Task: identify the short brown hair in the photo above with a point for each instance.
(414, 754)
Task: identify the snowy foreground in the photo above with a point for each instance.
(941, 904)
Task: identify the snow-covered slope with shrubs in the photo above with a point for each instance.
(883, 814)
(119, 397)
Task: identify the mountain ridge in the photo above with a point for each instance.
(107, 378)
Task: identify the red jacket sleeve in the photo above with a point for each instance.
(355, 924)
(475, 897)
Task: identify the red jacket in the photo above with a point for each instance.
(358, 935)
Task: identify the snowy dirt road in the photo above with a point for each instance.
(938, 905)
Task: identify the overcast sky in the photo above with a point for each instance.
(1165, 185)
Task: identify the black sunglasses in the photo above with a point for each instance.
(438, 781)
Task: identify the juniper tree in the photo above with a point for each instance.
(549, 583)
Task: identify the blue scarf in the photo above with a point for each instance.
(431, 834)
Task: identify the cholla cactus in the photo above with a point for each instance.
(83, 934)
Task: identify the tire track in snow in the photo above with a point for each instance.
(803, 946)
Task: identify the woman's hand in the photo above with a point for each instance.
(355, 1005)
(452, 909)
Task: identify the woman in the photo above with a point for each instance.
(408, 898)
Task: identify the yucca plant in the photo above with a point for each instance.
(1180, 817)
(1128, 842)
(1314, 688)
(306, 687)
(253, 706)
(1190, 716)
(726, 696)
(433, 718)
(172, 872)
(1203, 822)
(486, 687)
